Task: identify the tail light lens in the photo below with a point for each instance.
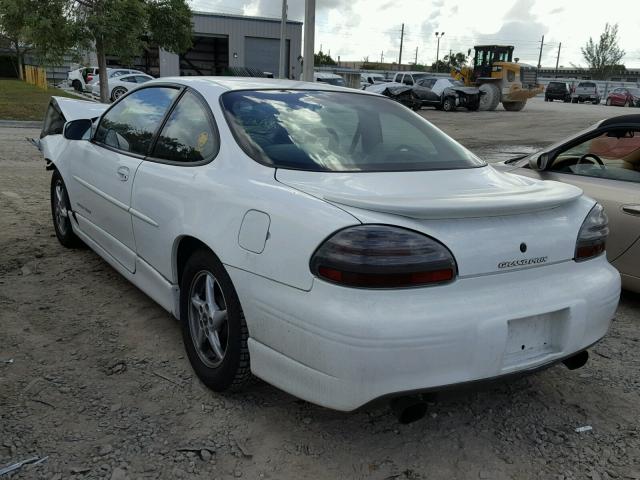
(382, 256)
(593, 234)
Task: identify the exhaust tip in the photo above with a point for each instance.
(576, 361)
(409, 409)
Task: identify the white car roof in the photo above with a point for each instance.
(249, 83)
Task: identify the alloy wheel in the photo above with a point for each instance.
(208, 319)
(60, 208)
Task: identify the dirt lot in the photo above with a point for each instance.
(100, 384)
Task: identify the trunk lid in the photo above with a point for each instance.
(486, 218)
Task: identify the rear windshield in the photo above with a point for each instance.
(587, 85)
(338, 132)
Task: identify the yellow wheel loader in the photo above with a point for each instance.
(499, 78)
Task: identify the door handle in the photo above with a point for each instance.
(123, 173)
(631, 209)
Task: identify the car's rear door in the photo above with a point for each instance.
(102, 181)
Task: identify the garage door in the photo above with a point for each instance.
(208, 55)
(264, 54)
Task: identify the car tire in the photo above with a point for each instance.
(117, 93)
(449, 104)
(574, 100)
(627, 104)
(567, 99)
(60, 210)
(596, 101)
(77, 85)
(491, 98)
(546, 99)
(217, 348)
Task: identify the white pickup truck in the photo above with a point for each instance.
(586, 92)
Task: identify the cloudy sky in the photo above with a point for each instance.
(355, 29)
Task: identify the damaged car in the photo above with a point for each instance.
(446, 94)
(442, 93)
(328, 240)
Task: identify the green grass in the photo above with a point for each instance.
(21, 101)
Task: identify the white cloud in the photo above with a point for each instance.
(354, 29)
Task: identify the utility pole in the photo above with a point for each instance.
(438, 35)
(540, 56)
(283, 41)
(558, 59)
(401, 39)
(382, 56)
(416, 62)
(309, 33)
(450, 53)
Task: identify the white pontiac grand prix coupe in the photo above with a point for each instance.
(329, 241)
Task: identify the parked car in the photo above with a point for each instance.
(330, 78)
(624, 97)
(79, 77)
(322, 238)
(558, 91)
(604, 161)
(442, 93)
(368, 78)
(119, 85)
(409, 78)
(446, 94)
(114, 72)
(586, 92)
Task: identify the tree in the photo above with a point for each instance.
(323, 59)
(39, 26)
(448, 62)
(125, 27)
(14, 17)
(604, 57)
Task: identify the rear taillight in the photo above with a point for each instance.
(593, 234)
(382, 256)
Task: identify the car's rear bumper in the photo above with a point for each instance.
(343, 347)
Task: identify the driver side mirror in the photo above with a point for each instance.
(541, 162)
(76, 129)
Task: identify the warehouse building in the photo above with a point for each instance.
(221, 41)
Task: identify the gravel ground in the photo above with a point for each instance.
(100, 384)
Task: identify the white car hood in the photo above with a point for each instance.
(468, 193)
(73, 109)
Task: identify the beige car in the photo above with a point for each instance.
(603, 160)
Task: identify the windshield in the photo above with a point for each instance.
(332, 81)
(338, 132)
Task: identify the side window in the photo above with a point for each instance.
(128, 79)
(398, 78)
(188, 135)
(141, 79)
(614, 155)
(132, 122)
